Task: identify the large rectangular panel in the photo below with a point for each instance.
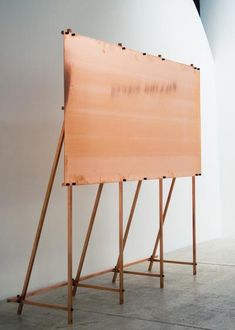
(128, 115)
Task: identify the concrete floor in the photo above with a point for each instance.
(206, 301)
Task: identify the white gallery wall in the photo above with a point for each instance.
(218, 19)
(31, 94)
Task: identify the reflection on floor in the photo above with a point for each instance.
(206, 301)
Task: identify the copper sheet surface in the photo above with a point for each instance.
(128, 115)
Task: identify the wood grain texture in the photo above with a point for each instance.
(128, 116)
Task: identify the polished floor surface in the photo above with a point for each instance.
(205, 301)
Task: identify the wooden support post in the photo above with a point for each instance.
(120, 264)
(128, 226)
(161, 232)
(164, 217)
(88, 235)
(194, 225)
(69, 251)
(41, 221)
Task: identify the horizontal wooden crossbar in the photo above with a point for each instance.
(13, 299)
(141, 273)
(40, 304)
(39, 291)
(98, 287)
(175, 262)
(135, 262)
(92, 275)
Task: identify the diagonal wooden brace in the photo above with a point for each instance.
(128, 226)
(87, 239)
(164, 217)
(41, 221)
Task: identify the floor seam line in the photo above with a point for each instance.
(143, 319)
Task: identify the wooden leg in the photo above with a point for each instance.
(161, 232)
(69, 247)
(120, 265)
(194, 225)
(88, 235)
(128, 226)
(41, 221)
(164, 217)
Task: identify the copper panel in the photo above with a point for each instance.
(128, 115)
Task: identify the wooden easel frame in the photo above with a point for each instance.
(71, 283)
